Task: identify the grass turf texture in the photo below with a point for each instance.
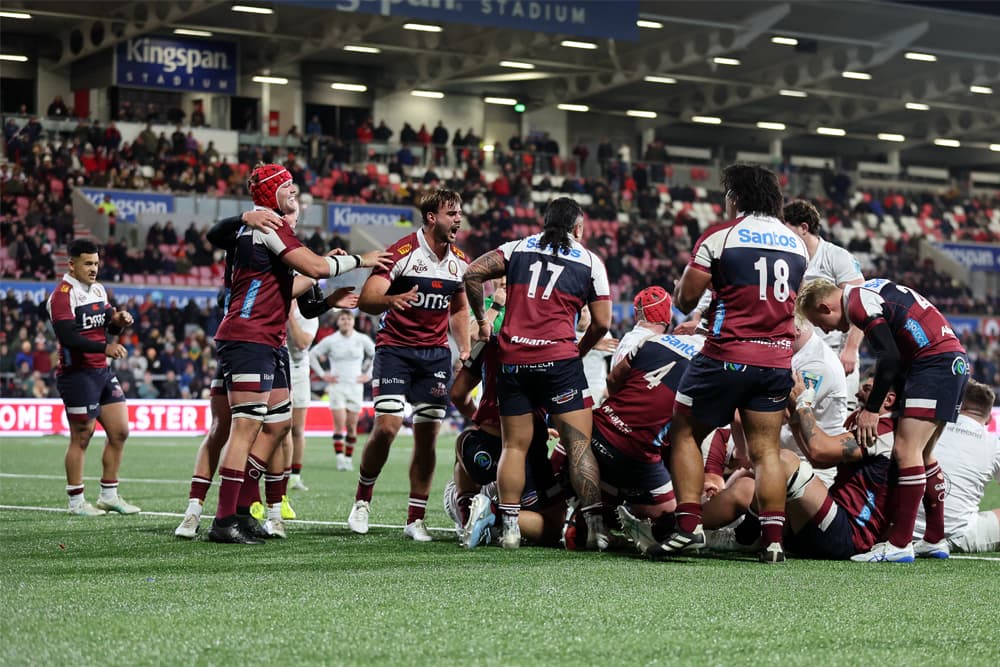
(121, 590)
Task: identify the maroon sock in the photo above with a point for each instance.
(366, 484)
(351, 441)
(688, 516)
(229, 491)
(296, 470)
(464, 504)
(772, 525)
(934, 504)
(417, 507)
(903, 511)
(272, 488)
(558, 459)
(338, 443)
(199, 488)
(250, 491)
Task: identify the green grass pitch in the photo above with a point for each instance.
(123, 591)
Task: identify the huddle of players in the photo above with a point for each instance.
(665, 388)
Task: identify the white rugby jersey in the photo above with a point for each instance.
(821, 370)
(310, 325)
(630, 342)
(347, 356)
(833, 263)
(969, 455)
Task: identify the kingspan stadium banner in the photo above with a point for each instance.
(590, 18)
(130, 204)
(177, 64)
(342, 216)
(974, 256)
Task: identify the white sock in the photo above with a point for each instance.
(295, 478)
(274, 512)
(194, 507)
(75, 500)
(108, 493)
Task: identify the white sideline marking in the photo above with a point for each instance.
(94, 479)
(180, 515)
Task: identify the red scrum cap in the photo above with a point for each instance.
(264, 183)
(653, 305)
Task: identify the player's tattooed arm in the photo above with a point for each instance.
(822, 449)
(584, 474)
(487, 266)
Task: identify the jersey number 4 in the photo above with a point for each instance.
(781, 288)
(536, 269)
(655, 377)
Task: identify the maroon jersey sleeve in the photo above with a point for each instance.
(865, 308)
(60, 307)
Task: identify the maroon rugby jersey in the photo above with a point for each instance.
(261, 291)
(484, 362)
(425, 322)
(635, 418)
(545, 292)
(862, 489)
(90, 309)
(919, 329)
(756, 266)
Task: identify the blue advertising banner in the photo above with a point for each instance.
(975, 256)
(176, 64)
(39, 292)
(130, 204)
(342, 216)
(591, 18)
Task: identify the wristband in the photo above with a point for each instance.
(806, 399)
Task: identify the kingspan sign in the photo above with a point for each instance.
(341, 216)
(176, 64)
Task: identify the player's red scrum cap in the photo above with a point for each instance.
(264, 183)
(653, 305)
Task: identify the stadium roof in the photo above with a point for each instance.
(869, 68)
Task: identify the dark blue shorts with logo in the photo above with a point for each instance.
(480, 451)
(83, 392)
(623, 479)
(935, 386)
(711, 390)
(253, 367)
(553, 386)
(420, 374)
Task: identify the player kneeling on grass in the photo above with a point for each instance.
(82, 318)
(629, 431)
(835, 523)
(477, 456)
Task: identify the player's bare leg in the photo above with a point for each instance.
(687, 469)
(296, 452)
(762, 431)
(575, 430)
(518, 431)
(114, 418)
(80, 434)
(373, 458)
(422, 464)
(205, 464)
(350, 437)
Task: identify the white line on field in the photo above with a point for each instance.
(178, 515)
(94, 479)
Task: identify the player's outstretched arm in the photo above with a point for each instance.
(487, 266)
(308, 263)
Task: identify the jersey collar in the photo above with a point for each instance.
(77, 284)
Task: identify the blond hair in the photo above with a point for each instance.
(810, 294)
